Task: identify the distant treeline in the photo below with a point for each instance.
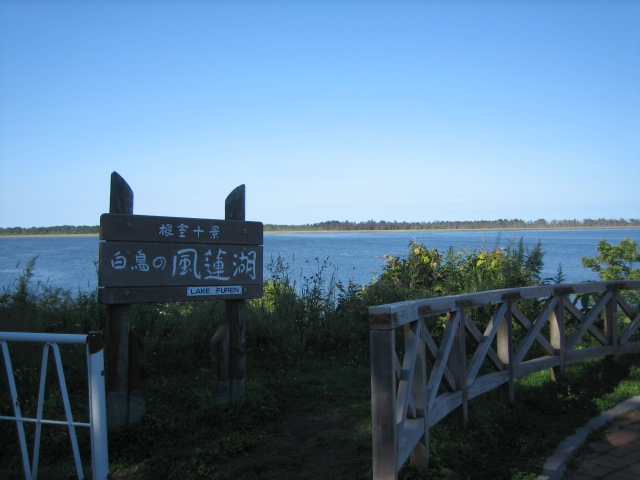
(515, 224)
(55, 230)
(341, 226)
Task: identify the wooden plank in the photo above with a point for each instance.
(588, 353)
(443, 406)
(147, 228)
(420, 454)
(523, 321)
(413, 431)
(488, 382)
(626, 308)
(441, 361)
(432, 353)
(586, 321)
(458, 365)
(122, 295)
(632, 328)
(534, 330)
(412, 343)
(405, 312)
(484, 343)
(383, 396)
(633, 347)
(629, 330)
(535, 365)
(143, 264)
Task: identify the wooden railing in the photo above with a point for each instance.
(456, 348)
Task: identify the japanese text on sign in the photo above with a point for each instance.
(145, 228)
(186, 231)
(168, 264)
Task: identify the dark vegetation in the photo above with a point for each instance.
(54, 230)
(502, 224)
(307, 410)
(369, 225)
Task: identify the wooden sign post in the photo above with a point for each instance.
(170, 259)
(125, 377)
(234, 209)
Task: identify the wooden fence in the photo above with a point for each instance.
(459, 347)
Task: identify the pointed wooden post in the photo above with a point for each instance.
(124, 357)
(220, 365)
(228, 344)
(234, 209)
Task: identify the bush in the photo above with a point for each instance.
(616, 262)
(428, 273)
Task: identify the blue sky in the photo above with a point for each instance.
(345, 110)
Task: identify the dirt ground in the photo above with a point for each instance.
(308, 447)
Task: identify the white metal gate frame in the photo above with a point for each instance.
(97, 405)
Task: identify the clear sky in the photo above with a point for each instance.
(325, 110)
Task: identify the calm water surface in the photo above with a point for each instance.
(70, 262)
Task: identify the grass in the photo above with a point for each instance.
(307, 410)
(311, 419)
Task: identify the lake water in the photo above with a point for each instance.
(70, 262)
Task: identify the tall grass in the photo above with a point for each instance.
(306, 312)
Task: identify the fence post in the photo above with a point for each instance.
(558, 338)
(97, 410)
(383, 404)
(611, 324)
(505, 353)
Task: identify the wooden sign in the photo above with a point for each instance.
(146, 228)
(163, 259)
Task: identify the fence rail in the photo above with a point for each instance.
(459, 347)
(97, 408)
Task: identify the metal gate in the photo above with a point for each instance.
(97, 407)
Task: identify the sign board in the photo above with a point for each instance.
(145, 228)
(161, 259)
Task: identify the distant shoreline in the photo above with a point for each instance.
(288, 232)
(272, 232)
(51, 235)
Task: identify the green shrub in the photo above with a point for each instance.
(427, 273)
